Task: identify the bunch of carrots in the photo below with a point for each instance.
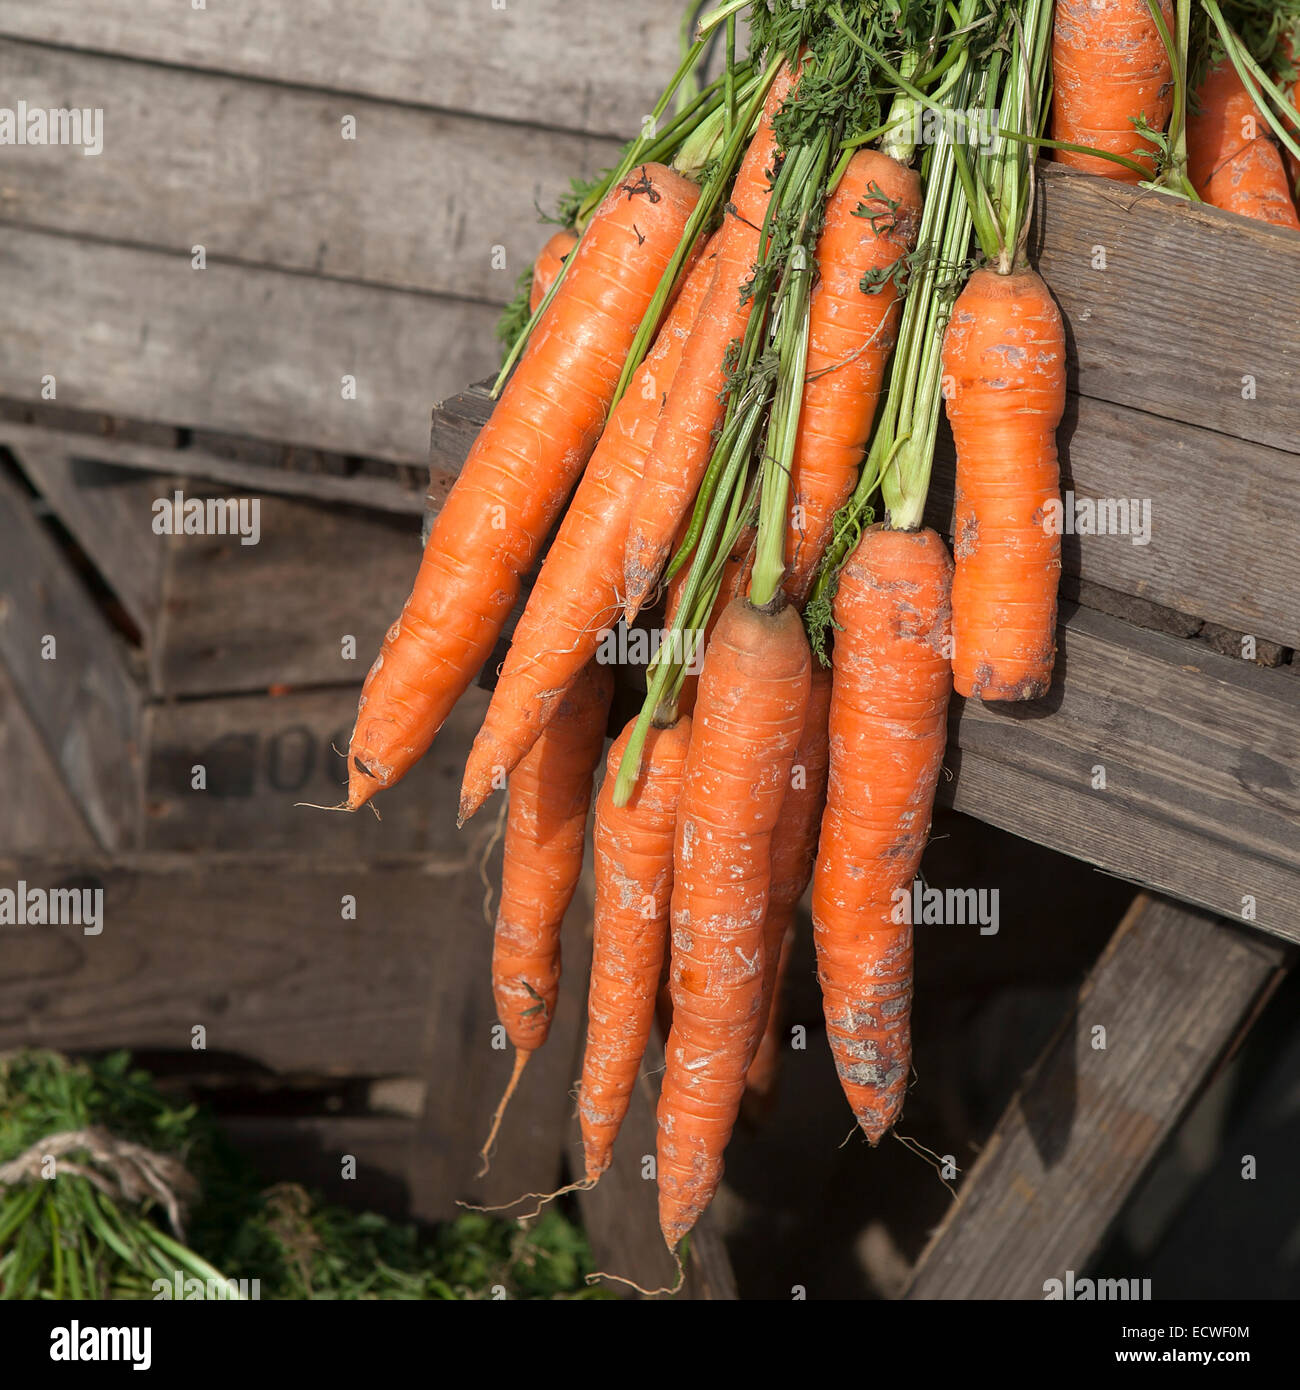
(723, 391)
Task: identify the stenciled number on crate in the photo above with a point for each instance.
(240, 764)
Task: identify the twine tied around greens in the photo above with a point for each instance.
(118, 1168)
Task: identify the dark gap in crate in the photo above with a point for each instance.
(232, 1085)
(100, 592)
(1194, 1218)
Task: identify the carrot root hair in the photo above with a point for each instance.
(521, 1061)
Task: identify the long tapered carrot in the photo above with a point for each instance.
(1004, 386)
(550, 795)
(634, 879)
(695, 406)
(1110, 68)
(747, 723)
(794, 852)
(575, 598)
(517, 475)
(888, 720)
(871, 223)
(1232, 160)
(547, 265)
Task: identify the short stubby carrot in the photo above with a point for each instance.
(695, 406)
(871, 224)
(748, 719)
(888, 719)
(794, 852)
(575, 598)
(547, 265)
(1110, 68)
(1004, 386)
(634, 880)
(1232, 159)
(516, 478)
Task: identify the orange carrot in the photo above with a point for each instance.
(547, 265)
(748, 719)
(575, 599)
(1231, 158)
(550, 795)
(887, 728)
(695, 406)
(1110, 67)
(516, 478)
(634, 879)
(794, 851)
(1004, 370)
(850, 337)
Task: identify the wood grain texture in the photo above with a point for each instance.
(78, 692)
(1171, 992)
(213, 460)
(45, 817)
(245, 617)
(569, 64)
(1153, 330)
(261, 174)
(264, 754)
(232, 348)
(1201, 767)
(254, 948)
(107, 510)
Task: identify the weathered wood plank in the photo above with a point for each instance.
(245, 617)
(107, 510)
(231, 348)
(261, 174)
(581, 65)
(1151, 331)
(621, 1213)
(254, 948)
(264, 754)
(1202, 771)
(1171, 991)
(377, 493)
(44, 817)
(70, 673)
